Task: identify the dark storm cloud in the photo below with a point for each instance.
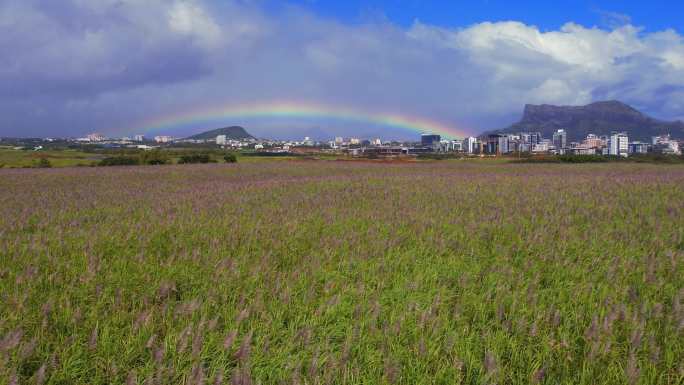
(70, 51)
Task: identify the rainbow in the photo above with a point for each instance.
(294, 110)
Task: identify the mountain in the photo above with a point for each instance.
(600, 118)
(233, 132)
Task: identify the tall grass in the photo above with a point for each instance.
(343, 273)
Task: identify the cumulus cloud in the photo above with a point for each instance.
(84, 65)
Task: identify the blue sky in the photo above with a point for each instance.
(547, 15)
(77, 66)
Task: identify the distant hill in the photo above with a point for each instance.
(600, 118)
(233, 132)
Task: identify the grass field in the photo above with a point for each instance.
(11, 158)
(305, 272)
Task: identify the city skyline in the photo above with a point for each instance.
(532, 143)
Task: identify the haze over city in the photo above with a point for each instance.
(179, 67)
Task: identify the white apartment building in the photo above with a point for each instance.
(665, 145)
(469, 144)
(541, 147)
(96, 137)
(163, 139)
(618, 144)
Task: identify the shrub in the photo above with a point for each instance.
(230, 158)
(154, 162)
(43, 163)
(154, 157)
(194, 158)
(587, 158)
(657, 158)
(570, 159)
(637, 158)
(439, 156)
(270, 154)
(119, 161)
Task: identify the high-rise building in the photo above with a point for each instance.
(450, 146)
(470, 144)
(496, 144)
(221, 140)
(618, 144)
(536, 137)
(527, 140)
(525, 137)
(560, 139)
(504, 144)
(430, 140)
(139, 138)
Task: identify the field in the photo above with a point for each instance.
(325, 272)
(61, 157)
(11, 158)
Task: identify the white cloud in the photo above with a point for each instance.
(191, 19)
(572, 65)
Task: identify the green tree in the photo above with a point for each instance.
(43, 163)
(119, 161)
(195, 158)
(153, 157)
(230, 158)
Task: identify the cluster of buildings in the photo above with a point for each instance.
(135, 141)
(141, 141)
(340, 142)
(103, 139)
(307, 144)
(617, 144)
